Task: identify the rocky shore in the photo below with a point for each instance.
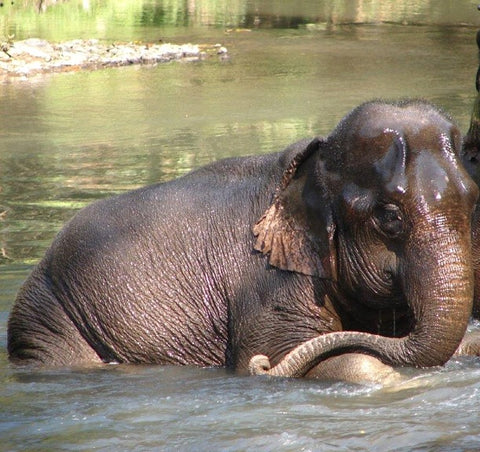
(23, 60)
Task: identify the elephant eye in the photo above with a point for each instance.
(389, 219)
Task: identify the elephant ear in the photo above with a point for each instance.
(297, 231)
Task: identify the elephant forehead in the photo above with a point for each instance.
(423, 158)
(412, 120)
(430, 177)
(409, 141)
(419, 134)
(436, 178)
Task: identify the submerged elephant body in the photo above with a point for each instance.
(365, 231)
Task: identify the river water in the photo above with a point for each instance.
(292, 71)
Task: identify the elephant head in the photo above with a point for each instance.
(381, 210)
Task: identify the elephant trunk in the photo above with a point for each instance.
(439, 287)
(441, 302)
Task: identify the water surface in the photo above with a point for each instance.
(293, 71)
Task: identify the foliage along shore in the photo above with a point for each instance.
(31, 57)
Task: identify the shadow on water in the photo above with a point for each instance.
(295, 69)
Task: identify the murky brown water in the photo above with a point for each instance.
(68, 139)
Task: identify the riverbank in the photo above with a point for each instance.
(24, 60)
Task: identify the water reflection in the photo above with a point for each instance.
(134, 19)
(68, 139)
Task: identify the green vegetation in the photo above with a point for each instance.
(121, 19)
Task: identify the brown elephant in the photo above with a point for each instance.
(356, 243)
(355, 367)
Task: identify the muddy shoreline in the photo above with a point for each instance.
(31, 58)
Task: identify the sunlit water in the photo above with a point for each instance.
(68, 139)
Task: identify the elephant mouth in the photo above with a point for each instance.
(376, 313)
(391, 321)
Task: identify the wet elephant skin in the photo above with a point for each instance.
(362, 238)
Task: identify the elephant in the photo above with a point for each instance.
(355, 244)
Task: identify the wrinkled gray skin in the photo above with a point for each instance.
(360, 242)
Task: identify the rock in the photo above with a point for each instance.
(36, 56)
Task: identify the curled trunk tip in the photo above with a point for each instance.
(259, 365)
(311, 352)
